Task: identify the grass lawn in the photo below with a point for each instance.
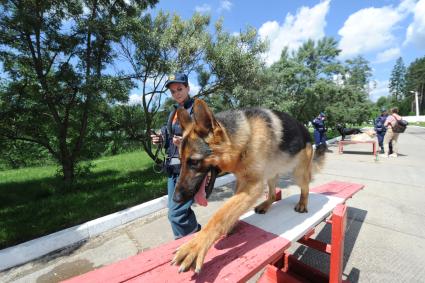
(32, 203)
(422, 124)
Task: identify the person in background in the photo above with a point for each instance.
(380, 129)
(390, 136)
(320, 130)
(181, 216)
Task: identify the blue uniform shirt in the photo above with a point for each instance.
(379, 124)
(319, 125)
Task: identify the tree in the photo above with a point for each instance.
(357, 74)
(55, 55)
(300, 82)
(154, 47)
(304, 83)
(415, 82)
(397, 83)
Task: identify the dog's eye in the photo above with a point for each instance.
(193, 163)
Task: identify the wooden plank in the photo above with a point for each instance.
(282, 220)
(257, 241)
(233, 259)
(132, 266)
(340, 189)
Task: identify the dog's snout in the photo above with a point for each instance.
(177, 196)
(181, 194)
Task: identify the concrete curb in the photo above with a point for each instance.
(39, 247)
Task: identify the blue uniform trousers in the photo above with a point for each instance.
(380, 136)
(319, 137)
(182, 218)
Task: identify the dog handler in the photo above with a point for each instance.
(320, 130)
(181, 216)
(381, 129)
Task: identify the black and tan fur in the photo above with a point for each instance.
(256, 145)
(344, 131)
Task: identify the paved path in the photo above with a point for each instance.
(386, 222)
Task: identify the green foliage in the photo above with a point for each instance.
(358, 73)
(153, 48)
(403, 85)
(397, 83)
(16, 154)
(312, 80)
(415, 82)
(224, 64)
(62, 95)
(55, 56)
(33, 202)
(232, 63)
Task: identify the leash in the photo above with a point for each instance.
(159, 162)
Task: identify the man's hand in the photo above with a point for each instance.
(177, 140)
(156, 138)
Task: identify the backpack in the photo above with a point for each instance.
(400, 126)
(379, 126)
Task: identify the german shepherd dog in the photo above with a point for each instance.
(343, 131)
(256, 145)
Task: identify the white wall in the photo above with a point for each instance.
(414, 118)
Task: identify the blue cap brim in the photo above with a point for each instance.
(174, 81)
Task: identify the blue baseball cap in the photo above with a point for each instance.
(176, 78)
(383, 109)
(322, 114)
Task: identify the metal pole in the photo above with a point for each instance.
(417, 104)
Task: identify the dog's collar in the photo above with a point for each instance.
(187, 104)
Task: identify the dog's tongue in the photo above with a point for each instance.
(201, 195)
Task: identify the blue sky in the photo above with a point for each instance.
(381, 31)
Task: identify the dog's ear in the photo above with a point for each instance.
(204, 118)
(184, 118)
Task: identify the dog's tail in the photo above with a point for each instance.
(319, 157)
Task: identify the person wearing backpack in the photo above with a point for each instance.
(391, 135)
(380, 129)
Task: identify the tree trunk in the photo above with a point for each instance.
(68, 169)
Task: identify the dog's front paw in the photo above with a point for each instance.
(301, 207)
(191, 255)
(262, 208)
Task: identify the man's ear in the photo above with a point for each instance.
(204, 118)
(184, 118)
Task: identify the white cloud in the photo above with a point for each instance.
(203, 9)
(416, 30)
(308, 23)
(407, 6)
(378, 89)
(194, 88)
(370, 29)
(387, 55)
(225, 5)
(135, 99)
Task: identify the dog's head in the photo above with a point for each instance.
(198, 166)
(339, 127)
